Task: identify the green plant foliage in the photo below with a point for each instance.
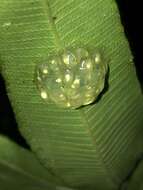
(93, 147)
(19, 169)
(136, 180)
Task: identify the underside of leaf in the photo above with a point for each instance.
(96, 143)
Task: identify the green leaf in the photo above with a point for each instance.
(19, 169)
(136, 180)
(92, 147)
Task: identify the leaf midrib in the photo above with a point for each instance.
(60, 46)
(58, 43)
(93, 142)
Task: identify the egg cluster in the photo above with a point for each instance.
(73, 78)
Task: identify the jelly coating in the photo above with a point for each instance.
(72, 78)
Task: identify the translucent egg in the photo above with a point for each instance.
(72, 78)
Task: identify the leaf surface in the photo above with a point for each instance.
(19, 169)
(136, 180)
(96, 143)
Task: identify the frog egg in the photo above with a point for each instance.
(44, 94)
(72, 78)
(81, 53)
(68, 78)
(69, 59)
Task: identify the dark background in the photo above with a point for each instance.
(131, 16)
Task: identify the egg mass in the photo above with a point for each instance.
(73, 78)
